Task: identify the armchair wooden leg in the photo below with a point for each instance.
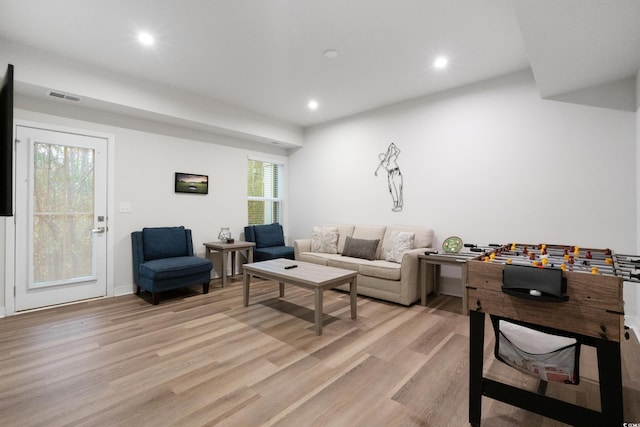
(137, 290)
(154, 298)
(205, 288)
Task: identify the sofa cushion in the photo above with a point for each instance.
(377, 268)
(396, 244)
(346, 262)
(169, 268)
(325, 240)
(361, 248)
(381, 269)
(263, 254)
(268, 235)
(317, 257)
(344, 231)
(370, 232)
(423, 235)
(164, 242)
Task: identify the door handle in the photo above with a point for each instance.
(98, 230)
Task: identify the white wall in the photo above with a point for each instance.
(631, 290)
(37, 71)
(144, 168)
(490, 163)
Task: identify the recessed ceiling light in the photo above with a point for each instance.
(313, 104)
(440, 62)
(330, 53)
(145, 38)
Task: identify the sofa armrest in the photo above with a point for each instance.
(301, 245)
(410, 270)
(410, 259)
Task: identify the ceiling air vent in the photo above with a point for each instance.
(60, 95)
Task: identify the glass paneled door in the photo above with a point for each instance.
(61, 182)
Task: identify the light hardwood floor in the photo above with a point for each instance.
(204, 360)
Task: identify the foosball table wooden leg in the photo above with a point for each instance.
(476, 358)
(610, 377)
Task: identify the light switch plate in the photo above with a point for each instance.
(125, 207)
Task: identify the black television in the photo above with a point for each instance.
(6, 143)
(191, 183)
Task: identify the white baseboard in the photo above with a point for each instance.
(123, 290)
(3, 312)
(633, 323)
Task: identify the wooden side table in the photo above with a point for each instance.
(213, 249)
(430, 273)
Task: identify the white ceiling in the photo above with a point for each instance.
(266, 56)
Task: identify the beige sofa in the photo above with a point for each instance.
(392, 274)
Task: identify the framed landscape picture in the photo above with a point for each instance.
(191, 183)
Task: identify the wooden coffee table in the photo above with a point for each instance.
(306, 275)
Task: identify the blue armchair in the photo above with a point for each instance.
(269, 240)
(163, 260)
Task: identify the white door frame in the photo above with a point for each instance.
(10, 230)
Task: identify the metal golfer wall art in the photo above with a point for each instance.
(388, 161)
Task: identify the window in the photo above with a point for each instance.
(264, 192)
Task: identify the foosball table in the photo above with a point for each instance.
(560, 290)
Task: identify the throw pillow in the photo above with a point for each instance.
(397, 244)
(360, 248)
(325, 240)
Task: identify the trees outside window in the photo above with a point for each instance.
(63, 200)
(264, 194)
